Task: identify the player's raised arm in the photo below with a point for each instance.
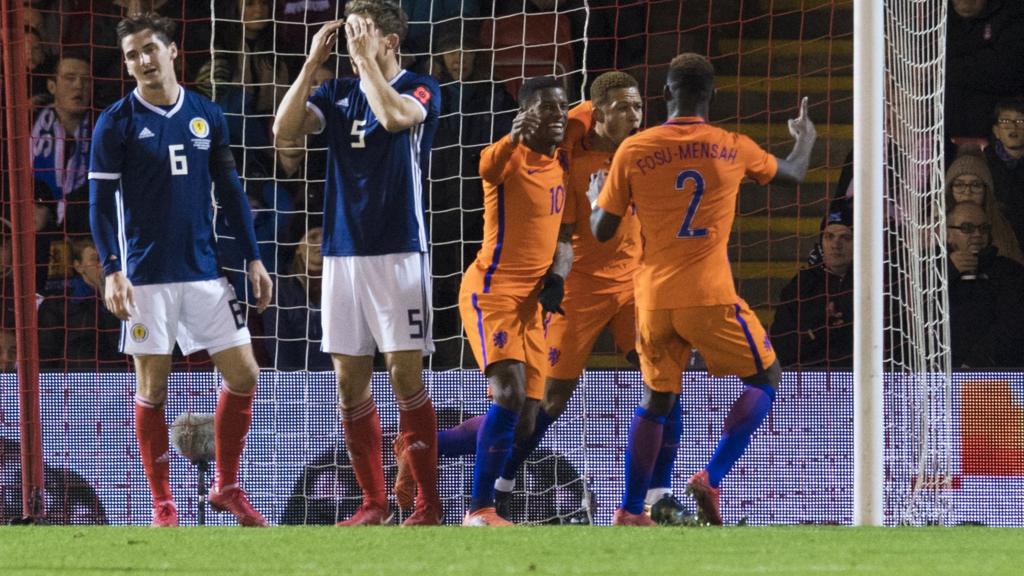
(792, 170)
(294, 119)
(494, 160)
(394, 111)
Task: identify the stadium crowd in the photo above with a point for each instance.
(75, 71)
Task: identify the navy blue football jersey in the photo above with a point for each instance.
(160, 157)
(373, 196)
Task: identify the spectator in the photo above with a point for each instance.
(1004, 155)
(813, 326)
(294, 321)
(8, 349)
(968, 180)
(295, 23)
(984, 62)
(76, 331)
(40, 68)
(244, 75)
(60, 142)
(7, 277)
(475, 112)
(52, 267)
(984, 294)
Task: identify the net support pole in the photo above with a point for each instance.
(19, 163)
(868, 241)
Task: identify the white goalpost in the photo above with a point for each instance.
(903, 399)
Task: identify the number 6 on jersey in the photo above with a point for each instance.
(179, 162)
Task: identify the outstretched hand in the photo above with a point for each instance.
(801, 127)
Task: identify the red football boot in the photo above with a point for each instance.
(165, 515)
(235, 501)
(707, 498)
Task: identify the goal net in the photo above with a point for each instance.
(919, 393)
(768, 54)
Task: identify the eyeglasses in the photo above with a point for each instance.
(1007, 122)
(972, 186)
(970, 228)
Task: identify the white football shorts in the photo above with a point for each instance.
(200, 315)
(376, 302)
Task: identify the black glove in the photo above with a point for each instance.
(551, 294)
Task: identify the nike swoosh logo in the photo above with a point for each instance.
(529, 171)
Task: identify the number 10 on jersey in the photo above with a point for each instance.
(557, 198)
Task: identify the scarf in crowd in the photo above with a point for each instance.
(61, 164)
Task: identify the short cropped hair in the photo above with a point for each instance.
(1007, 105)
(387, 16)
(607, 82)
(161, 26)
(78, 247)
(536, 84)
(692, 74)
(74, 53)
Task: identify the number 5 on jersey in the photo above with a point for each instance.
(179, 162)
(360, 133)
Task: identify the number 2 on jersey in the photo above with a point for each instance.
(698, 181)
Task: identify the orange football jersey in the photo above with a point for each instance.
(524, 196)
(683, 177)
(616, 260)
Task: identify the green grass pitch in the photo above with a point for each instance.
(552, 550)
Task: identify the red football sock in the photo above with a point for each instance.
(361, 425)
(418, 422)
(230, 425)
(151, 434)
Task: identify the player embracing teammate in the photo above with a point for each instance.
(682, 178)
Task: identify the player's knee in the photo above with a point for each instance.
(352, 388)
(657, 403)
(527, 420)
(557, 396)
(405, 380)
(507, 379)
(244, 382)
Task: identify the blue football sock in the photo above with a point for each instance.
(522, 450)
(666, 462)
(746, 414)
(461, 440)
(645, 433)
(493, 444)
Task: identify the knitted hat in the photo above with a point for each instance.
(970, 164)
(840, 211)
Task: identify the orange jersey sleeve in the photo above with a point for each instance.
(523, 203)
(611, 262)
(683, 177)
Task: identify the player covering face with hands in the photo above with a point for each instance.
(376, 278)
(164, 150)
